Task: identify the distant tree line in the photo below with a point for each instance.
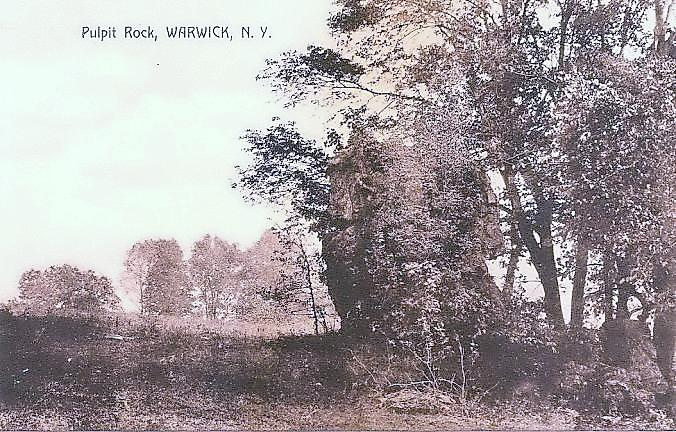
(272, 278)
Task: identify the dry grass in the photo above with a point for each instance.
(64, 374)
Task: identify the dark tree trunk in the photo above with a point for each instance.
(664, 338)
(512, 265)
(664, 334)
(624, 287)
(579, 282)
(545, 264)
(608, 289)
(542, 252)
(566, 13)
(308, 281)
(663, 45)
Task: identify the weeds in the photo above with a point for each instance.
(175, 375)
(409, 381)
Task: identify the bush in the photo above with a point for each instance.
(618, 391)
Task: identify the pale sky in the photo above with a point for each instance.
(106, 143)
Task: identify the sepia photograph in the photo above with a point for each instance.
(346, 215)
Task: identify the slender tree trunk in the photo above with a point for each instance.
(566, 13)
(508, 286)
(308, 280)
(579, 282)
(608, 291)
(662, 45)
(513, 264)
(664, 340)
(140, 300)
(664, 334)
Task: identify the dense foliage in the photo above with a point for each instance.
(507, 75)
(616, 174)
(66, 289)
(158, 272)
(565, 108)
(214, 268)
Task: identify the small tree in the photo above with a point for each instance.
(158, 272)
(66, 289)
(299, 287)
(215, 267)
(260, 270)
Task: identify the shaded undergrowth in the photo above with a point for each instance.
(72, 373)
(81, 366)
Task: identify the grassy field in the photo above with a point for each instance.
(65, 374)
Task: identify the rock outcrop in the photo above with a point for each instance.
(350, 174)
(357, 174)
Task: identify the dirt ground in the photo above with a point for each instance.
(65, 374)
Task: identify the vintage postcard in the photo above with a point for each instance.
(337, 215)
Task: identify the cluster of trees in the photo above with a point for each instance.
(275, 277)
(462, 130)
(567, 105)
(66, 289)
(220, 280)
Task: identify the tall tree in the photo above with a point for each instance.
(513, 56)
(402, 63)
(617, 168)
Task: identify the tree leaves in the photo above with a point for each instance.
(157, 268)
(66, 289)
(289, 170)
(215, 268)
